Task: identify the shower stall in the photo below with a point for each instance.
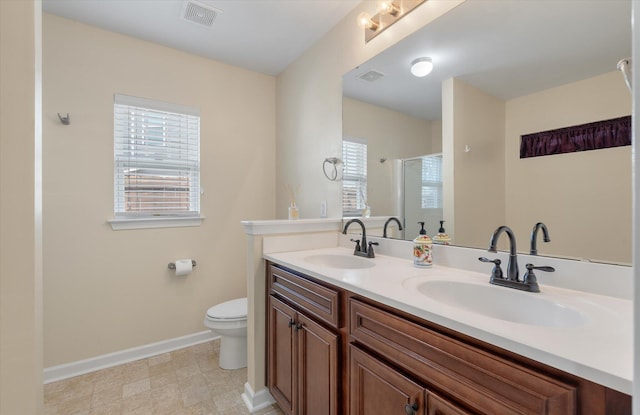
(418, 194)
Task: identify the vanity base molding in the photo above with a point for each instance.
(378, 359)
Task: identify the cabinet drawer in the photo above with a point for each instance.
(313, 298)
(477, 379)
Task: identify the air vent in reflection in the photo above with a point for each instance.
(371, 76)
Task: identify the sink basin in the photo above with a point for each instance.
(340, 261)
(502, 303)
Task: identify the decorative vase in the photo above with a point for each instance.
(293, 212)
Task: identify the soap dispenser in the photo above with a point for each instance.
(422, 249)
(442, 238)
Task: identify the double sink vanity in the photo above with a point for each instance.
(353, 335)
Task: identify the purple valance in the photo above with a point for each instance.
(593, 136)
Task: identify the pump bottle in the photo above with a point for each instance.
(422, 249)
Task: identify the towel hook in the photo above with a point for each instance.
(65, 120)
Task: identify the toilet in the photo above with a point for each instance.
(229, 320)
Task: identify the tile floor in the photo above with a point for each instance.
(185, 381)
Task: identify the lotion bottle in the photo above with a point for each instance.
(422, 249)
(442, 238)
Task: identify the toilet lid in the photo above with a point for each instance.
(233, 309)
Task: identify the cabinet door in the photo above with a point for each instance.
(317, 368)
(376, 388)
(439, 406)
(281, 348)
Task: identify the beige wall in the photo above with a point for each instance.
(474, 189)
(309, 129)
(584, 198)
(108, 290)
(21, 390)
(390, 134)
(309, 104)
(436, 136)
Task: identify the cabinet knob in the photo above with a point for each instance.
(298, 327)
(291, 323)
(410, 408)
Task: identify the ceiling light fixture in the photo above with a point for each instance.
(389, 12)
(421, 67)
(365, 22)
(388, 7)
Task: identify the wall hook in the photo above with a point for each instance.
(64, 120)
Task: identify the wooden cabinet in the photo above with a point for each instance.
(377, 388)
(282, 355)
(463, 375)
(439, 406)
(303, 373)
(333, 352)
(484, 382)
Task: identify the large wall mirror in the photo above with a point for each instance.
(503, 69)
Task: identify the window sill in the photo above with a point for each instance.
(151, 223)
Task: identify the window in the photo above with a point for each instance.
(354, 177)
(432, 182)
(157, 159)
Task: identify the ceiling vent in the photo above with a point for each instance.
(200, 13)
(371, 76)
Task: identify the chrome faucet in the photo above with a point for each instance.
(512, 265)
(534, 237)
(384, 231)
(361, 249)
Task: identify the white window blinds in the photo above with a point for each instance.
(432, 182)
(157, 158)
(354, 176)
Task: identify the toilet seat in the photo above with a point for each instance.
(229, 311)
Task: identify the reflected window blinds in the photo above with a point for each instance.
(354, 176)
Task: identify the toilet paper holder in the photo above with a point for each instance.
(172, 265)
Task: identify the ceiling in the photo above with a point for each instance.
(508, 48)
(259, 35)
(505, 48)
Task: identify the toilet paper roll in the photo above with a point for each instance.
(183, 266)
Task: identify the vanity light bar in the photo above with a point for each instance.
(394, 12)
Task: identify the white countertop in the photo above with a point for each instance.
(600, 349)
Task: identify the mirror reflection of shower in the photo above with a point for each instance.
(418, 195)
(624, 66)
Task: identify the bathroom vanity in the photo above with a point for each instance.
(342, 341)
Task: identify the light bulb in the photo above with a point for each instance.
(365, 22)
(388, 7)
(421, 67)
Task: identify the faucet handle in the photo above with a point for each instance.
(357, 241)
(530, 278)
(496, 272)
(370, 252)
(530, 267)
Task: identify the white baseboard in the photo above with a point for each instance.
(69, 370)
(256, 401)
